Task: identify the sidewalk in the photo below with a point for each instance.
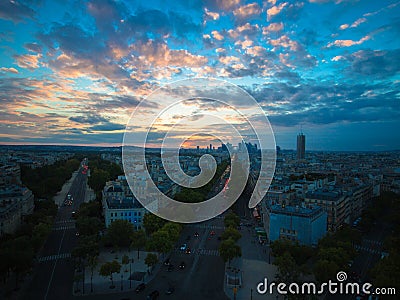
(246, 272)
(61, 195)
(102, 285)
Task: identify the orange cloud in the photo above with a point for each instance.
(28, 61)
(247, 10)
(349, 43)
(285, 42)
(216, 35)
(275, 10)
(9, 70)
(273, 27)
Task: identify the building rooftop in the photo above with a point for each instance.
(308, 211)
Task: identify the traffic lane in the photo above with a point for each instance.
(38, 287)
(69, 241)
(52, 243)
(207, 280)
(61, 285)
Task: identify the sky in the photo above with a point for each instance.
(72, 72)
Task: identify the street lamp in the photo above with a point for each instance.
(235, 288)
(130, 272)
(121, 281)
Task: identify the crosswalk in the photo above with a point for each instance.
(63, 227)
(54, 257)
(208, 252)
(204, 226)
(367, 249)
(373, 242)
(60, 222)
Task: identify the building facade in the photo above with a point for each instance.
(301, 146)
(120, 204)
(304, 224)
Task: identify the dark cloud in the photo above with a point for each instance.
(15, 11)
(34, 47)
(376, 63)
(88, 119)
(74, 40)
(327, 103)
(107, 127)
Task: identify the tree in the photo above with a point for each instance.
(325, 270)
(150, 260)
(152, 223)
(232, 220)
(108, 269)
(19, 255)
(88, 225)
(229, 250)
(173, 230)
(125, 260)
(232, 233)
(90, 209)
(160, 242)
(119, 233)
(288, 271)
(334, 254)
(138, 240)
(93, 260)
(39, 234)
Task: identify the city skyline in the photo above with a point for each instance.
(74, 76)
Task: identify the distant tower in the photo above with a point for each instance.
(301, 146)
(211, 148)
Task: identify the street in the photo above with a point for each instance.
(53, 273)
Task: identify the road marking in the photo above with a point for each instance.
(63, 227)
(53, 257)
(54, 268)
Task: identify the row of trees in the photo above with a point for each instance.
(18, 251)
(386, 272)
(200, 194)
(46, 181)
(101, 171)
(229, 249)
(159, 236)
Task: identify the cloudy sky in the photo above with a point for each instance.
(73, 73)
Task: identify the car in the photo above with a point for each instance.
(212, 232)
(170, 268)
(196, 234)
(182, 265)
(183, 247)
(77, 233)
(167, 262)
(153, 295)
(188, 251)
(170, 290)
(140, 288)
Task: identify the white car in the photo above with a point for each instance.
(183, 247)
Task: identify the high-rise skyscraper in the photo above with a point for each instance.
(301, 146)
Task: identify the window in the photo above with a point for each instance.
(122, 214)
(130, 213)
(126, 214)
(111, 214)
(135, 213)
(139, 213)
